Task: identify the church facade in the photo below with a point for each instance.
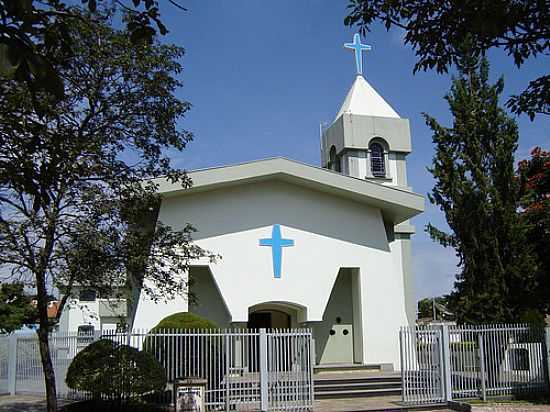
(327, 248)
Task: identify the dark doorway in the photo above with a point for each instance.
(272, 319)
(267, 319)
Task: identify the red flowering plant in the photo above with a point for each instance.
(534, 178)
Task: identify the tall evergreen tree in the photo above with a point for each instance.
(475, 187)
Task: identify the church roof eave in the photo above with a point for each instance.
(397, 205)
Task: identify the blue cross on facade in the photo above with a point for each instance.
(358, 48)
(277, 244)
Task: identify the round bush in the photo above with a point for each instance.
(184, 320)
(107, 369)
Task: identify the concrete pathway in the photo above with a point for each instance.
(361, 404)
(511, 407)
(24, 403)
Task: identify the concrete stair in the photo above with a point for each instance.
(356, 384)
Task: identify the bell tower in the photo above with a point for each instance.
(369, 140)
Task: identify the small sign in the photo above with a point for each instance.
(189, 399)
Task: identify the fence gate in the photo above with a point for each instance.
(421, 365)
(289, 371)
(441, 363)
(246, 370)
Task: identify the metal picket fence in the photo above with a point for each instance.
(4, 360)
(245, 370)
(440, 363)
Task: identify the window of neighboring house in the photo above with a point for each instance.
(377, 162)
(86, 329)
(519, 359)
(85, 334)
(334, 160)
(87, 295)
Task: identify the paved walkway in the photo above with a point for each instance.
(511, 407)
(20, 403)
(29, 403)
(360, 404)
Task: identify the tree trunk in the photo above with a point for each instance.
(48, 370)
(44, 344)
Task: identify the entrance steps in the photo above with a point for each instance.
(355, 381)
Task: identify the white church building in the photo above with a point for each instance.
(327, 248)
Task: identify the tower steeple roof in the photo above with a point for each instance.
(362, 99)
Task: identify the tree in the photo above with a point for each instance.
(78, 201)
(15, 307)
(30, 29)
(534, 177)
(436, 29)
(476, 189)
(428, 307)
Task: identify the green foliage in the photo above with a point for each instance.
(533, 317)
(437, 29)
(476, 188)
(426, 308)
(184, 320)
(74, 208)
(534, 177)
(15, 307)
(107, 369)
(30, 30)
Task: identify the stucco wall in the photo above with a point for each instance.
(329, 233)
(208, 303)
(338, 316)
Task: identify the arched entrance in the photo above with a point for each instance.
(269, 319)
(276, 315)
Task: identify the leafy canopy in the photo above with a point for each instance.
(31, 29)
(74, 205)
(16, 309)
(436, 29)
(78, 179)
(184, 320)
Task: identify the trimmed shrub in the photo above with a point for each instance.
(184, 320)
(109, 370)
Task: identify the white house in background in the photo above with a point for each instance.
(86, 312)
(326, 248)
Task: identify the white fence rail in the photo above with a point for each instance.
(442, 363)
(244, 369)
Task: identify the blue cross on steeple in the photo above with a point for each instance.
(277, 244)
(358, 48)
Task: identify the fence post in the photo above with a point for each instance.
(547, 346)
(446, 363)
(12, 363)
(263, 371)
(226, 339)
(482, 366)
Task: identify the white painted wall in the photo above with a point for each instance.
(329, 233)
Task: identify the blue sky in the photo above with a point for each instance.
(262, 75)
